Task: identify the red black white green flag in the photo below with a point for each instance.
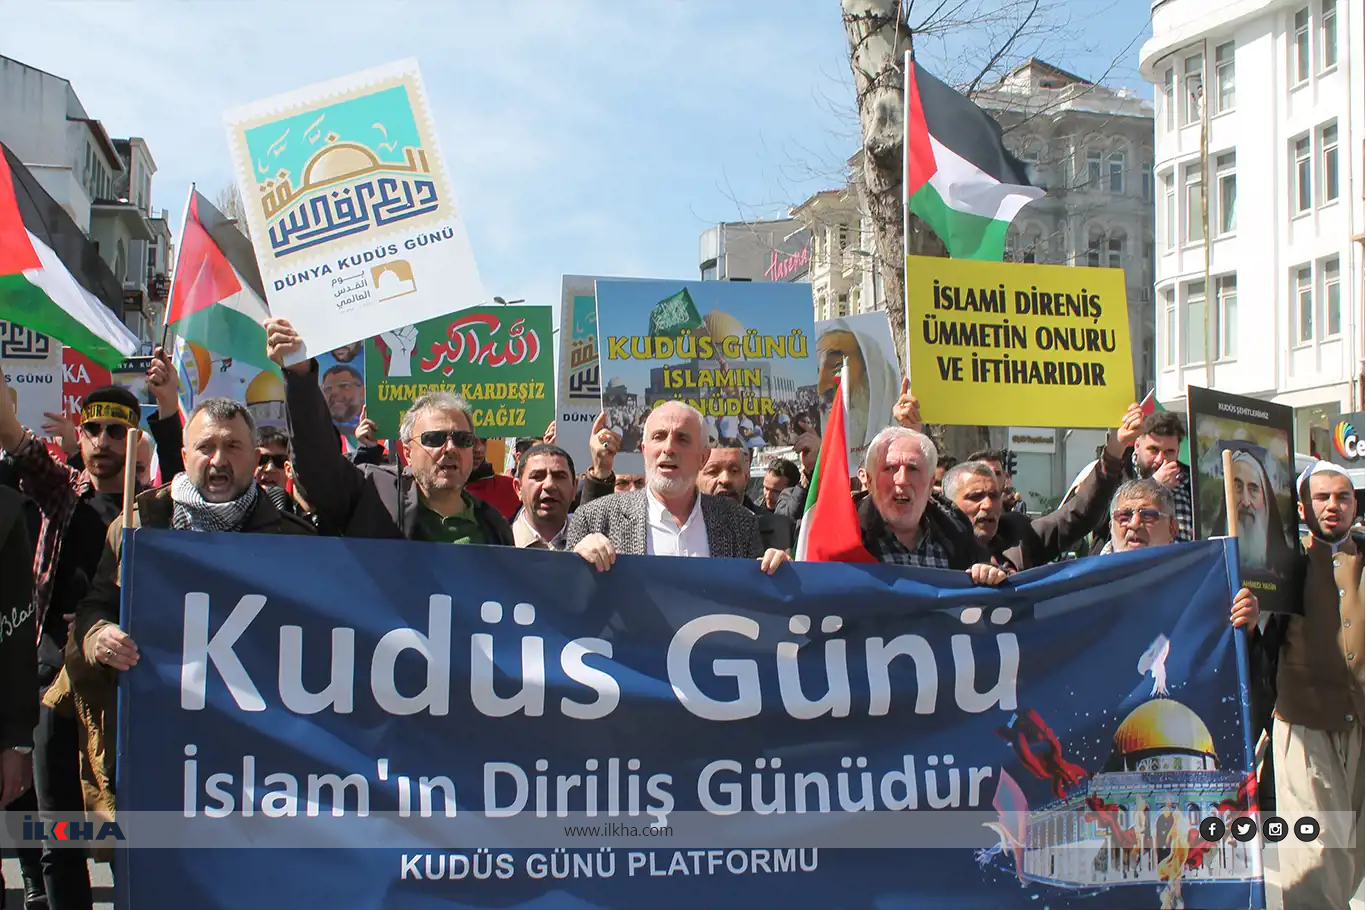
(217, 299)
(52, 279)
(960, 179)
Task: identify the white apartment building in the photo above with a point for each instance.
(761, 250)
(844, 276)
(1090, 147)
(104, 184)
(1258, 141)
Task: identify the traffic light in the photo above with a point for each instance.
(1010, 463)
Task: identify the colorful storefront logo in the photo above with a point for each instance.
(1346, 441)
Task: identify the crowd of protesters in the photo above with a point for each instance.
(61, 521)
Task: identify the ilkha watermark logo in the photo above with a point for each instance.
(37, 830)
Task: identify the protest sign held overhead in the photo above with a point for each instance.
(352, 211)
(1259, 435)
(500, 359)
(862, 346)
(1008, 343)
(944, 745)
(210, 374)
(741, 353)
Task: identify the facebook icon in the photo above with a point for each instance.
(1212, 828)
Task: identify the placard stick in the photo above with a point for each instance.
(130, 474)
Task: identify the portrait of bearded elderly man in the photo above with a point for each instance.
(860, 346)
(1263, 542)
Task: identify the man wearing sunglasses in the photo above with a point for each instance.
(1143, 514)
(425, 501)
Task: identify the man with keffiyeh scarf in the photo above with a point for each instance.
(216, 492)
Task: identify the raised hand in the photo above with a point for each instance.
(281, 342)
(61, 428)
(906, 411)
(603, 445)
(164, 382)
(365, 430)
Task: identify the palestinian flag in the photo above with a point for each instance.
(52, 279)
(830, 531)
(959, 178)
(217, 299)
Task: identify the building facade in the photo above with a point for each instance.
(1090, 148)
(1259, 174)
(765, 250)
(104, 184)
(844, 276)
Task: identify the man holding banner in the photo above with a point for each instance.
(669, 517)
(427, 501)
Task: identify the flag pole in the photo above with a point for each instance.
(175, 268)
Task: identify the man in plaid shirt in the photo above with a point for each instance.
(75, 506)
(903, 523)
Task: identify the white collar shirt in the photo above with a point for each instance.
(666, 538)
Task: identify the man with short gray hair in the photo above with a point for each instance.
(426, 501)
(903, 522)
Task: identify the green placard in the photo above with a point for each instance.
(501, 360)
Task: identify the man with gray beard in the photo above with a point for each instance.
(1261, 532)
(670, 517)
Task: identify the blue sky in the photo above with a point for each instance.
(583, 137)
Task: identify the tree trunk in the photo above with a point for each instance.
(878, 40)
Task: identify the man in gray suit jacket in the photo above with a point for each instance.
(669, 517)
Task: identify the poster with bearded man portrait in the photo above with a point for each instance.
(1259, 435)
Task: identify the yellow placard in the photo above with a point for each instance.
(1006, 343)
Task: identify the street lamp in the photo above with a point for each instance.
(501, 302)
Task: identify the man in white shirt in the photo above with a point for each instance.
(669, 517)
(545, 485)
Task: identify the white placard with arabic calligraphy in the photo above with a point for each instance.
(351, 208)
(33, 372)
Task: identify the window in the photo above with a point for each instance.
(1194, 90)
(1169, 328)
(1148, 182)
(1301, 46)
(1304, 305)
(1332, 298)
(1328, 156)
(1195, 205)
(1115, 252)
(842, 305)
(1328, 21)
(1168, 97)
(1147, 254)
(1195, 322)
(1169, 208)
(1226, 317)
(1117, 173)
(1093, 243)
(1093, 162)
(1304, 176)
(1223, 76)
(1227, 181)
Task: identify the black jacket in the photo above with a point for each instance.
(776, 531)
(1023, 543)
(378, 501)
(18, 639)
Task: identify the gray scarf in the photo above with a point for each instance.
(193, 513)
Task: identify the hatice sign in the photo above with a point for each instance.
(354, 214)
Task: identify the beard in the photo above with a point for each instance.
(440, 477)
(227, 487)
(1253, 536)
(670, 486)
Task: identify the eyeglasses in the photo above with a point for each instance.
(115, 431)
(435, 439)
(277, 461)
(1146, 517)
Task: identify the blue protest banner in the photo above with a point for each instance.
(372, 723)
